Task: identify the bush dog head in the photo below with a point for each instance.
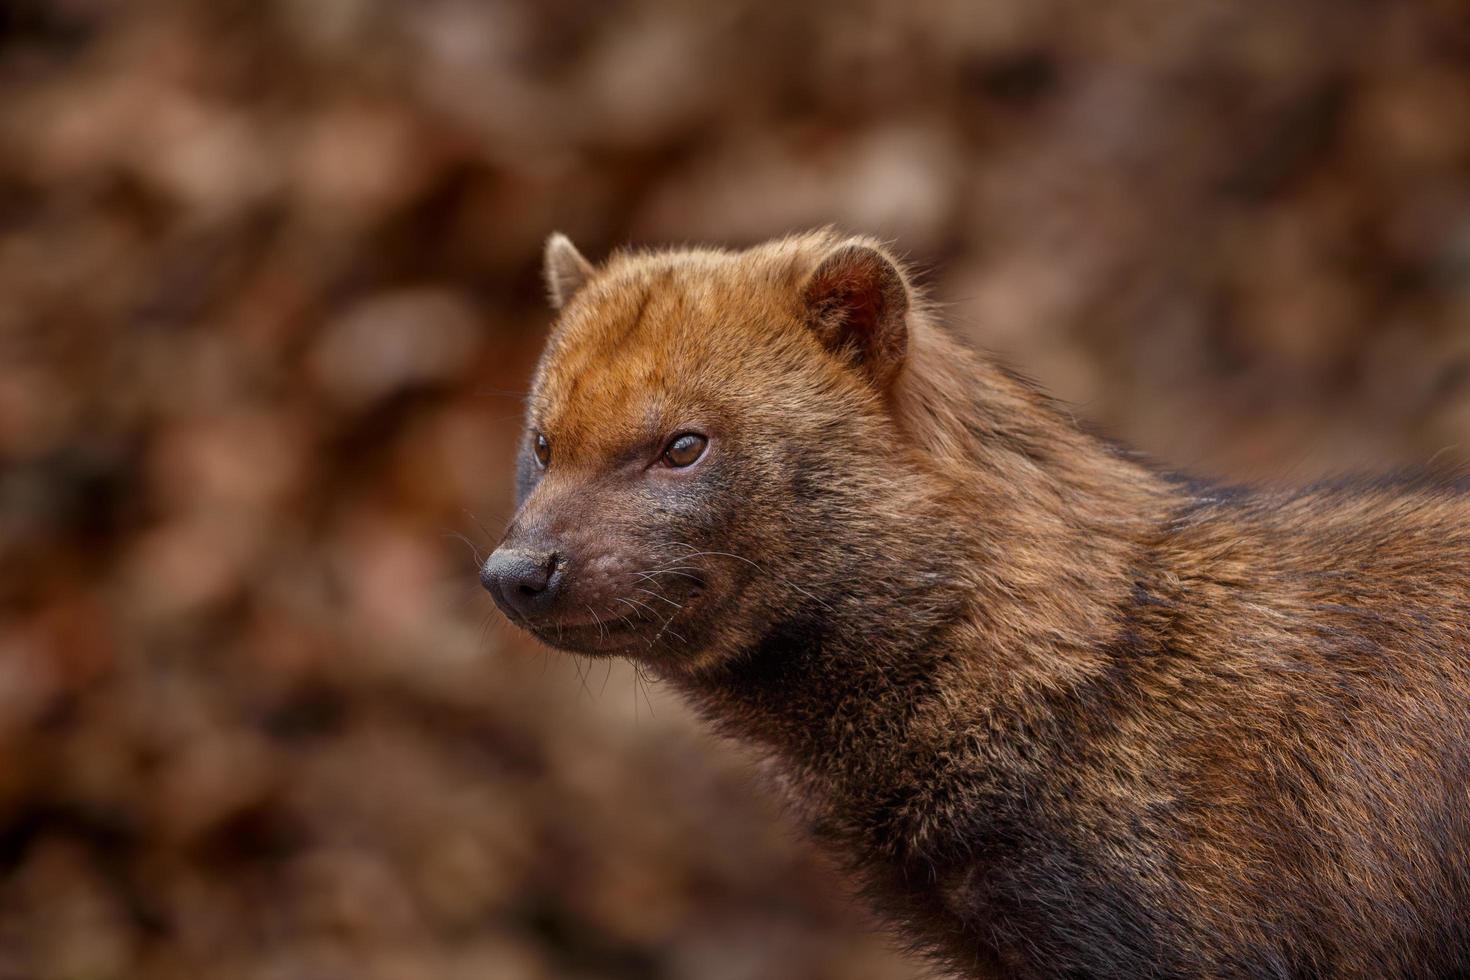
(697, 423)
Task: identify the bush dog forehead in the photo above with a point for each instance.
(646, 332)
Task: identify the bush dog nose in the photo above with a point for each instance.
(524, 583)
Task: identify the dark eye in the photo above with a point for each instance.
(542, 447)
(685, 450)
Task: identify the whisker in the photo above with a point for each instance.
(637, 677)
(643, 605)
(681, 572)
(757, 567)
(629, 604)
(665, 628)
(601, 630)
(637, 619)
(478, 523)
(475, 552)
(485, 630)
(582, 676)
(661, 598)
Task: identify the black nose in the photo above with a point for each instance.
(523, 582)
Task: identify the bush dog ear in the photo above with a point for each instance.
(857, 304)
(565, 269)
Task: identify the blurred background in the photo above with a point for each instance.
(269, 296)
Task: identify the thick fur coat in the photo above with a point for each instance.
(1063, 715)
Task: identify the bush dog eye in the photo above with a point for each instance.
(684, 450)
(542, 447)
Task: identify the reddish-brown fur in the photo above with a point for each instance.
(1062, 714)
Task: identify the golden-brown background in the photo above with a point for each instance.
(268, 297)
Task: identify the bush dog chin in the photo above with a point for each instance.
(1062, 714)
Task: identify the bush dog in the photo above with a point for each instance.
(1063, 714)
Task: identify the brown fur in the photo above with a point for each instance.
(1063, 715)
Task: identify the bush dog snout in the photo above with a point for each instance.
(1062, 713)
(522, 581)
